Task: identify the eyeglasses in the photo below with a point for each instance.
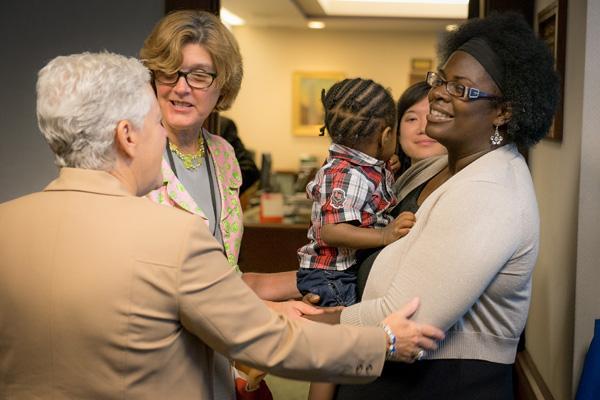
(457, 90)
(196, 79)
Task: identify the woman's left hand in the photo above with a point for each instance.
(293, 308)
(412, 338)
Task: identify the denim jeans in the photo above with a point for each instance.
(336, 288)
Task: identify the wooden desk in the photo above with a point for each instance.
(271, 247)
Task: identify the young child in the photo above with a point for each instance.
(352, 191)
(351, 194)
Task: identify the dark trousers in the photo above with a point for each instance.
(436, 380)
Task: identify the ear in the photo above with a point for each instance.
(504, 114)
(126, 139)
(387, 136)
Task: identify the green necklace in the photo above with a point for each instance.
(190, 161)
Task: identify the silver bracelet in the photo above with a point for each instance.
(391, 350)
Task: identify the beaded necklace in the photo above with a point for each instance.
(209, 167)
(190, 161)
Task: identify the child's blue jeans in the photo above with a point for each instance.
(335, 288)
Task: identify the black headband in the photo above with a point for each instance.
(483, 53)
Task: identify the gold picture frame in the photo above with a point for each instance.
(307, 109)
(418, 69)
(551, 27)
(421, 64)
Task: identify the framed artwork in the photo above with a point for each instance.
(307, 109)
(418, 69)
(551, 27)
(421, 64)
(416, 76)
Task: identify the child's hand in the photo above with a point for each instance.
(398, 227)
(393, 164)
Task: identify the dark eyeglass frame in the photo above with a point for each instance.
(458, 89)
(180, 73)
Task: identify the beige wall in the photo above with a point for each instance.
(555, 170)
(587, 300)
(263, 108)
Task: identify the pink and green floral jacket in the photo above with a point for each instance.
(229, 178)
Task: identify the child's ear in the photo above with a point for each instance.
(387, 136)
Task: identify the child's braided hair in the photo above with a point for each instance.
(356, 109)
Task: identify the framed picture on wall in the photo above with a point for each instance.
(307, 109)
(418, 69)
(551, 27)
(421, 64)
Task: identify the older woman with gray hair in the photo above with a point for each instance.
(80, 128)
(78, 115)
(95, 304)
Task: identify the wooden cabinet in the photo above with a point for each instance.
(271, 247)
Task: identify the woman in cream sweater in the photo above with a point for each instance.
(471, 253)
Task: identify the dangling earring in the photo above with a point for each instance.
(496, 138)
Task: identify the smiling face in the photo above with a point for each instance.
(463, 127)
(414, 141)
(185, 109)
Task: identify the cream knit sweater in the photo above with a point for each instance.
(469, 258)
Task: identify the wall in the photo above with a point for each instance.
(263, 108)
(587, 301)
(555, 170)
(33, 32)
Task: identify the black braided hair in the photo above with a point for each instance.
(530, 83)
(356, 109)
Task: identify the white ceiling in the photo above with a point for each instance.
(396, 8)
(296, 14)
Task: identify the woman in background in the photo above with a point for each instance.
(414, 144)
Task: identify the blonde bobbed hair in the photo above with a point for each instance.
(162, 49)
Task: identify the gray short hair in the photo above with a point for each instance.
(80, 100)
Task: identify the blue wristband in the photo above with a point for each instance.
(391, 350)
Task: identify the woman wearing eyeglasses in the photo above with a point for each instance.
(197, 68)
(471, 253)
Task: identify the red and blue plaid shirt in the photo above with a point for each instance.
(351, 187)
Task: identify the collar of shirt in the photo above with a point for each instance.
(353, 156)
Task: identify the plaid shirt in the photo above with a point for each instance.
(351, 187)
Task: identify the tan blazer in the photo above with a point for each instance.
(96, 304)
